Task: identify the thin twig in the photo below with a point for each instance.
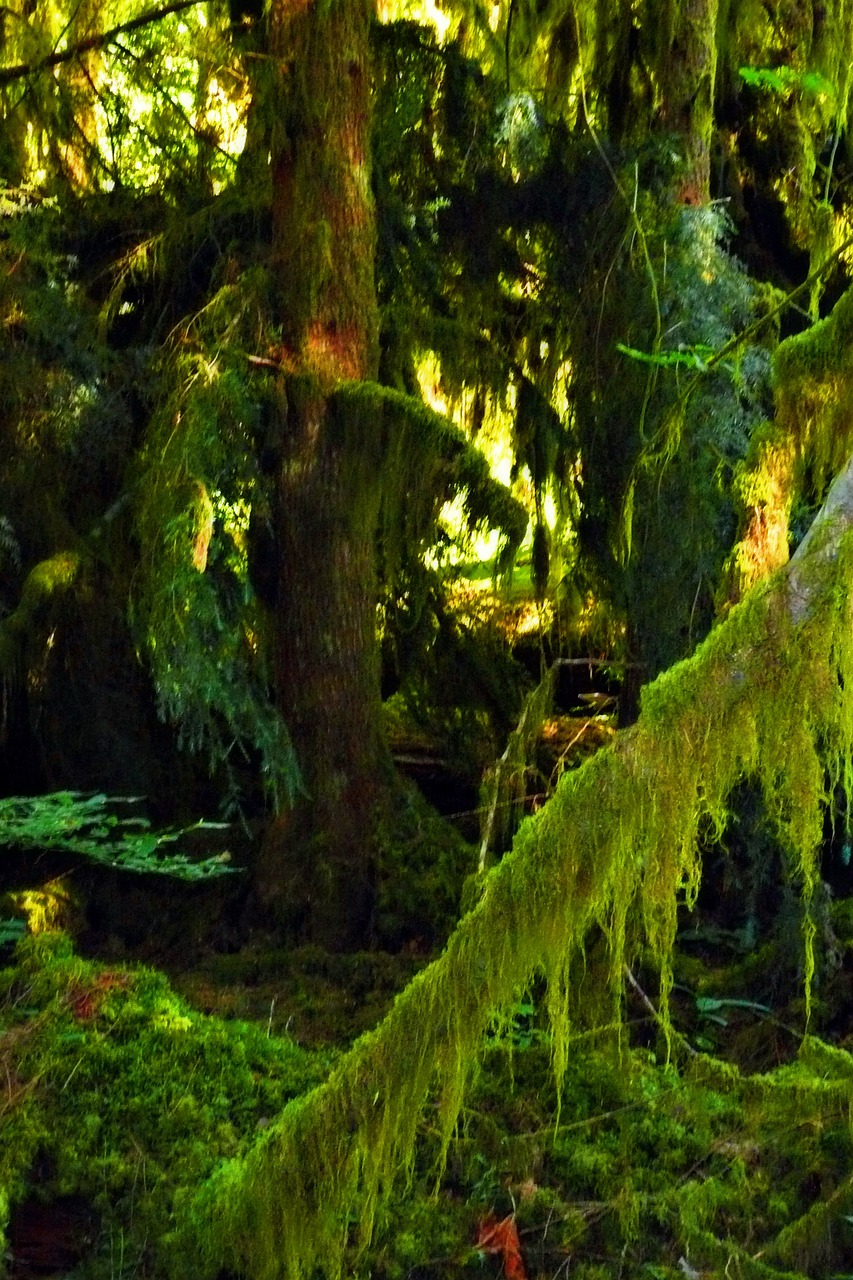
(647, 1004)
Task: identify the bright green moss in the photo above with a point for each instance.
(762, 698)
(647, 1164)
(126, 1095)
(813, 380)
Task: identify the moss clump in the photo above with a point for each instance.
(45, 580)
(422, 868)
(424, 459)
(807, 443)
(121, 1094)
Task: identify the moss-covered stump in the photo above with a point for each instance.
(115, 1096)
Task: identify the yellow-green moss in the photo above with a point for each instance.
(813, 381)
(45, 579)
(423, 459)
(762, 698)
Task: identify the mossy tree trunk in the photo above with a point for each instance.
(686, 57)
(314, 872)
(687, 73)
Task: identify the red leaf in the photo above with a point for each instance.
(502, 1237)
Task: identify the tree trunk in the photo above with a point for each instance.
(316, 868)
(688, 75)
(315, 871)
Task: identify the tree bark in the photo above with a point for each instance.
(315, 871)
(688, 73)
(316, 867)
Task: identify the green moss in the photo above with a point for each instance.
(646, 1165)
(122, 1093)
(44, 581)
(813, 380)
(130, 1099)
(806, 445)
(618, 841)
(424, 460)
(422, 867)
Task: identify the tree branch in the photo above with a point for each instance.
(23, 69)
(766, 696)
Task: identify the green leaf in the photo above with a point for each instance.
(786, 80)
(711, 1004)
(11, 931)
(84, 825)
(695, 357)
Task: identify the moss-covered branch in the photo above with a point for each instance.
(767, 697)
(426, 459)
(97, 41)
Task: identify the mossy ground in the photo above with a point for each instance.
(121, 1097)
(118, 1092)
(601, 1140)
(649, 1165)
(317, 998)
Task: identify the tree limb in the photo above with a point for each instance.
(55, 59)
(767, 696)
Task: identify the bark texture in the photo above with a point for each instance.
(688, 73)
(315, 871)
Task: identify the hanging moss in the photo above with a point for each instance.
(647, 1164)
(424, 461)
(763, 485)
(764, 697)
(504, 788)
(813, 378)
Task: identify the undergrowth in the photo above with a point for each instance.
(652, 1171)
(613, 851)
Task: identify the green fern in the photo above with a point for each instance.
(786, 80)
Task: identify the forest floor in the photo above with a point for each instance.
(727, 1153)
